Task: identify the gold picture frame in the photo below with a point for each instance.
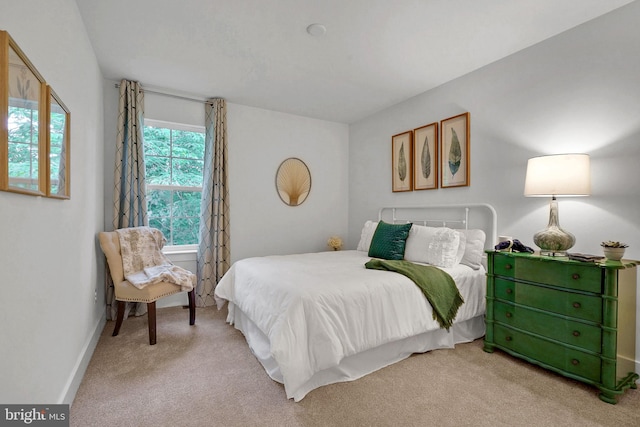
(402, 162)
(454, 151)
(22, 104)
(293, 181)
(35, 143)
(425, 157)
(58, 147)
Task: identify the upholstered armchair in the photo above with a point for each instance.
(126, 292)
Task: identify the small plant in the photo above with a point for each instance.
(335, 243)
(612, 244)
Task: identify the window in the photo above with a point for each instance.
(174, 162)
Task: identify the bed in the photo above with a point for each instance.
(320, 318)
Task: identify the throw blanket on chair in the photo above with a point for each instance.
(437, 285)
(144, 263)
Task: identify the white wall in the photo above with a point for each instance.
(261, 224)
(577, 92)
(49, 269)
(259, 140)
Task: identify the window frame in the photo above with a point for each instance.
(174, 249)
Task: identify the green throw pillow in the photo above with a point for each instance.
(389, 240)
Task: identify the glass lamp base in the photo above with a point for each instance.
(553, 240)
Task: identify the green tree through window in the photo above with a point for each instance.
(174, 161)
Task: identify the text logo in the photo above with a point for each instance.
(36, 415)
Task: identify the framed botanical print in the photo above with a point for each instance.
(425, 157)
(454, 151)
(34, 144)
(401, 162)
(58, 147)
(22, 108)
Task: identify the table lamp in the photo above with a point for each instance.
(562, 175)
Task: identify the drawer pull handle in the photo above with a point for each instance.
(576, 305)
(508, 267)
(576, 333)
(509, 291)
(508, 314)
(575, 362)
(575, 276)
(508, 338)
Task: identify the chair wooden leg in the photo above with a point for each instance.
(119, 318)
(151, 315)
(192, 307)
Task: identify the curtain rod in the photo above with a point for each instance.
(157, 92)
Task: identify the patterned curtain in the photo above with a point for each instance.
(213, 247)
(129, 195)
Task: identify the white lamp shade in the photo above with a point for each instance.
(558, 175)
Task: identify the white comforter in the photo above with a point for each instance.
(318, 308)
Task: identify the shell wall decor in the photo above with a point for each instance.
(293, 181)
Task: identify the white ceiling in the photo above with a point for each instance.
(374, 54)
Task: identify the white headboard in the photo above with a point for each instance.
(467, 216)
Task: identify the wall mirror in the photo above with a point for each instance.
(58, 147)
(293, 181)
(22, 141)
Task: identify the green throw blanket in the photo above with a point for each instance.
(437, 285)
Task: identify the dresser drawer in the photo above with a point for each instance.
(553, 354)
(565, 274)
(561, 329)
(503, 265)
(505, 289)
(586, 307)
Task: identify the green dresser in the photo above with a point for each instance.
(574, 318)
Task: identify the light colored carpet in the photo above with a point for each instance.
(205, 375)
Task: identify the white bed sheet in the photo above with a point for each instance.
(314, 319)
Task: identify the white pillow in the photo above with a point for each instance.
(474, 248)
(432, 245)
(366, 235)
(417, 245)
(443, 248)
(462, 247)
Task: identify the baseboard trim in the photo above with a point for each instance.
(71, 388)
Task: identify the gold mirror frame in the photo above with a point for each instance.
(30, 150)
(22, 103)
(293, 181)
(58, 147)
